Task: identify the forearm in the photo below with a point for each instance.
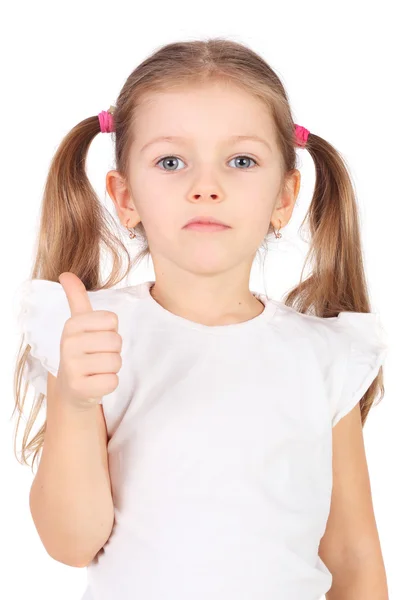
(70, 500)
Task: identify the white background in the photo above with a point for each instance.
(65, 61)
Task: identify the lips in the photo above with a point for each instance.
(205, 220)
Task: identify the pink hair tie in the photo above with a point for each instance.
(106, 120)
(301, 135)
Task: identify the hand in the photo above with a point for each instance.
(89, 349)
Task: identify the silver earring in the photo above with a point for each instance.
(278, 234)
(131, 230)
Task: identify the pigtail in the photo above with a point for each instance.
(337, 281)
(75, 228)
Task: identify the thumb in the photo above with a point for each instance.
(76, 293)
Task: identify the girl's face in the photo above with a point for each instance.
(204, 171)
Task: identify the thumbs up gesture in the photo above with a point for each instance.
(89, 349)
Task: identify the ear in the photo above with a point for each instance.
(286, 200)
(120, 195)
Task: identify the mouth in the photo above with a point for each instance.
(196, 226)
(205, 221)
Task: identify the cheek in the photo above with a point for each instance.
(254, 216)
(160, 214)
(151, 198)
(141, 183)
(256, 205)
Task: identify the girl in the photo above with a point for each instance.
(202, 441)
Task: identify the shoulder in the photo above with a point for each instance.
(348, 327)
(335, 344)
(348, 349)
(316, 331)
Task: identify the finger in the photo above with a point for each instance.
(76, 293)
(97, 320)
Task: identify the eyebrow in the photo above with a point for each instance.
(232, 138)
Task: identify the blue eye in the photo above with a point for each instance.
(171, 158)
(245, 157)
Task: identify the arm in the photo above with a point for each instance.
(70, 498)
(350, 547)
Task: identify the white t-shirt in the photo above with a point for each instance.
(220, 450)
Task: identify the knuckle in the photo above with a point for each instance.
(67, 326)
(68, 321)
(118, 340)
(114, 380)
(118, 362)
(112, 318)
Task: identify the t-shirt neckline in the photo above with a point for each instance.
(177, 321)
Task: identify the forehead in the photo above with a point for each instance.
(215, 110)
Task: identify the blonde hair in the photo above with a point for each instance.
(74, 224)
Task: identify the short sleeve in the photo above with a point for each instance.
(365, 350)
(43, 310)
